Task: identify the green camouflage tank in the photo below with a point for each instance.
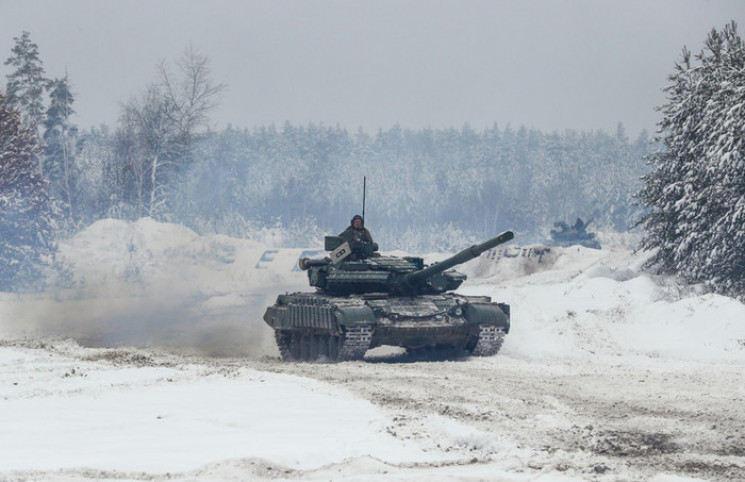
(364, 300)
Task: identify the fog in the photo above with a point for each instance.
(551, 65)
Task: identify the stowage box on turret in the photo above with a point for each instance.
(364, 300)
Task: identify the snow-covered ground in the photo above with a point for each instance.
(154, 363)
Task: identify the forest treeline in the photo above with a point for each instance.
(423, 187)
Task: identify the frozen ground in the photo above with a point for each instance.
(154, 364)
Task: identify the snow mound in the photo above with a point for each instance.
(582, 303)
(145, 253)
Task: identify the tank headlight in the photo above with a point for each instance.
(457, 311)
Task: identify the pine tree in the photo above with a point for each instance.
(59, 137)
(696, 191)
(26, 84)
(26, 210)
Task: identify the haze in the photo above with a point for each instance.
(548, 64)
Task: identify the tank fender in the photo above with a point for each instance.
(292, 316)
(271, 316)
(488, 314)
(355, 315)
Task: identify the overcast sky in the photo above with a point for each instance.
(548, 64)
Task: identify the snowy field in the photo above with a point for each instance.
(154, 364)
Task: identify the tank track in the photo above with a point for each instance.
(323, 347)
(356, 342)
(490, 341)
(283, 343)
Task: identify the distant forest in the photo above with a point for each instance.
(425, 188)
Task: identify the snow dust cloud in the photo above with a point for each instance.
(172, 322)
(152, 284)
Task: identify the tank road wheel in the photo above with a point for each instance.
(334, 342)
(305, 347)
(320, 347)
(355, 342)
(290, 345)
(317, 347)
(490, 341)
(295, 347)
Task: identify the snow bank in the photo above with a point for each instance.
(580, 302)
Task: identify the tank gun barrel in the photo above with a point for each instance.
(466, 255)
(307, 263)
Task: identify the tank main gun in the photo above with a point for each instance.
(418, 277)
(355, 267)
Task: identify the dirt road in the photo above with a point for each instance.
(605, 419)
(628, 420)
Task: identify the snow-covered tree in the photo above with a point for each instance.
(696, 191)
(97, 188)
(26, 210)
(26, 83)
(59, 136)
(163, 124)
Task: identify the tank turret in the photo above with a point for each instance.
(356, 267)
(576, 234)
(364, 300)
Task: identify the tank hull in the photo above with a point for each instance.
(588, 241)
(314, 326)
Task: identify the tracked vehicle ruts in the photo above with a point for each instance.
(364, 300)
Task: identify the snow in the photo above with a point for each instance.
(186, 419)
(122, 374)
(613, 309)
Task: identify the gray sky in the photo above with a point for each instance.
(548, 64)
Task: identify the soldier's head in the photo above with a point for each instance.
(357, 222)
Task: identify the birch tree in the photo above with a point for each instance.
(165, 123)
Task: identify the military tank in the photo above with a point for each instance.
(565, 235)
(364, 300)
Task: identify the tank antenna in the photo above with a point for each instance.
(364, 190)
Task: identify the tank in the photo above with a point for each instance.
(364, 300)
(565, 235)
